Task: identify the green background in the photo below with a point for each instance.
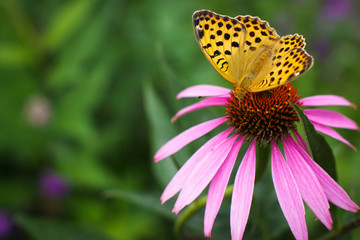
(87, 91)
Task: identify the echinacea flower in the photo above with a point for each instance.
(267, 118)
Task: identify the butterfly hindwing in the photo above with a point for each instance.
(284, 70)
(219, 38)
(285, 45)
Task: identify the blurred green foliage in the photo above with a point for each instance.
(87, 90)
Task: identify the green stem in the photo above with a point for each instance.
(190, 211)
(342, 229)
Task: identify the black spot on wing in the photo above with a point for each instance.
(216, 53)
(235, 44)
(207, 46)
(200, 34)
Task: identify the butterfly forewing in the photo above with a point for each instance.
(220, 38)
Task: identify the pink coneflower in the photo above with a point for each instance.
(266, 118)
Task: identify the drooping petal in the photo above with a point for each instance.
(309, 186)
(187, 137)
(332, 133)
(207, 102)
(330, 118)
(218, 186)
(203, 172)
(180, 178)
(325, 100)
(243, 193)
(299, 139)
(333, 191)
(203, 91)
(288, 194)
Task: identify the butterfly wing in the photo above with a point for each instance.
(221, 39)
(259, 38)
(234, 46)
(288, 61)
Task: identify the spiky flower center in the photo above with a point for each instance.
(266, 115)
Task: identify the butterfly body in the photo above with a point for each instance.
(247, 52)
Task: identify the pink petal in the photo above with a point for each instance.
(218, 186)
(203, 172)
(207, 102)
(325, 100)
(333, 191)
(243, 193)
(309, 186)
(288, 194)
(180, 178)
(186, 137)
(300, 140)
(330, 118)
(332, 133)
(203, 91)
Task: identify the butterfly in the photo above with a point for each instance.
(247, 52)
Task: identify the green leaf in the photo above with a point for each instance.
(88, 46)
(148, 201)
(319, 150)
(14, 55)
(67, 21)
(48, 229)
(161, 131)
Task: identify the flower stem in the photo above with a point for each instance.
(190, 211)
(342, 229)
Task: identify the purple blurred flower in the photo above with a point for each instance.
(268, 118)
(336, 9)
(52, 185)
(5, 225)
